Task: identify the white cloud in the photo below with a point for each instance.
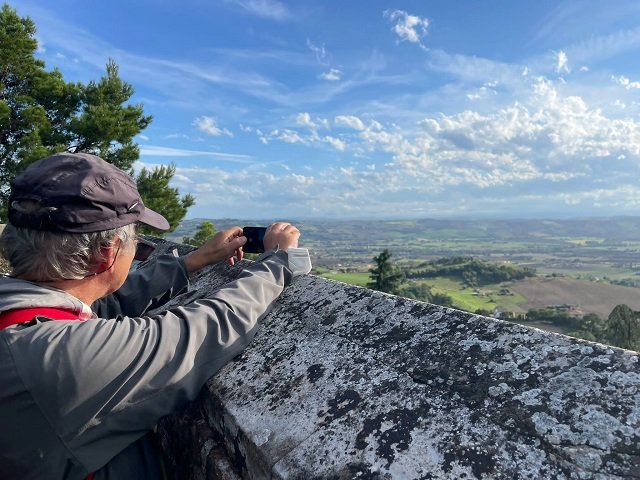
(625, 82)
(288, 136)
(41, 47)
(335, 142)
(160, 151)
(144, 138)
(305, 119)
(562, 62)
(320, 52)
(410, 28)
(270, 9)
(350, 121)
(209, 126)
(333, 75)
(176, 135)
(488, 87)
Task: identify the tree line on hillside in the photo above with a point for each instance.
(471, 271)
(42, 114)
(387, 277)
(621, 329)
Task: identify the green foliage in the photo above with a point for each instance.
(627, 282)
(471, 271)
(623, 328)
(34, 104)
(422, 291)
(206, 230)
(592, 328)
(41, 114)
(385, 276)
(554, 317)
(106, 126)
(159, 196)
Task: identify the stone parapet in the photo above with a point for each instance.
(343, 382)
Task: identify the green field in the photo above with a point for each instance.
(357, 278)
(464, 298)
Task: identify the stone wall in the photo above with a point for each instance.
(342, 382)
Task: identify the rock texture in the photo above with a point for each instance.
(342, 382)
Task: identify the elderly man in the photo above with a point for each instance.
(84, 373)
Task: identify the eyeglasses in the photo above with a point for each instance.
(144, 248)
(109, 267)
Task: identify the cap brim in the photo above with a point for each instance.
(154, 219)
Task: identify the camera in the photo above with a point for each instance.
(255, 239)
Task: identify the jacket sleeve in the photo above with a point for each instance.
(103, 384)
(145, 289)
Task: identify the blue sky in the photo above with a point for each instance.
(384, 109)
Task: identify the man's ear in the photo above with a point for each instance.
(108, 254)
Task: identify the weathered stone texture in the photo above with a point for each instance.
(342, 382)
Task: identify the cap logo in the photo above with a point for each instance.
(133, 206)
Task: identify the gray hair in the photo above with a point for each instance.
(43, 256)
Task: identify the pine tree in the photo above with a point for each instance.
(623, 328)
(41, 114)
(385, 276)
(206, 230)
(156, 193)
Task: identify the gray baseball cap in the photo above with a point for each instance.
(77, 192)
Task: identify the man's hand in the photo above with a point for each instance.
(281, 235)
(222, 246)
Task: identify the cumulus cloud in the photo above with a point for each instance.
(545, 138)
(333, 75)
(410, 28)
(209, 125)
(335, 143)
(304, 119)
(287, 136)
(350, 121)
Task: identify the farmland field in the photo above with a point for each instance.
(591, 297)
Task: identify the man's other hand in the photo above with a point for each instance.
(282, 235)
(223, 245)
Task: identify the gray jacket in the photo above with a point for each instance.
(78, 397)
